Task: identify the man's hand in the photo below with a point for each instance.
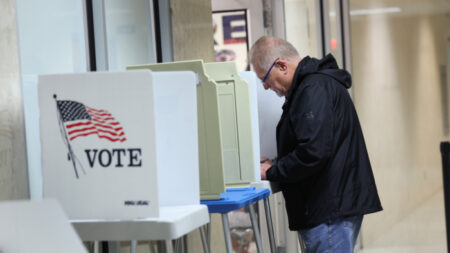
(265, 165)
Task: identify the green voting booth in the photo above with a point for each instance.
(224, 124)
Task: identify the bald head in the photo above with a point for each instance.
(267, 49)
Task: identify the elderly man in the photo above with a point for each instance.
(322, 166)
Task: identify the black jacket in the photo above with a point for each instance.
(322, 166)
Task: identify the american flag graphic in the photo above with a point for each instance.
(80, 120)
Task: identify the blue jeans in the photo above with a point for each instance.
(335, 236)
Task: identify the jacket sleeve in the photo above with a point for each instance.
(311, 119)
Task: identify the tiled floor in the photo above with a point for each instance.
(421, 231)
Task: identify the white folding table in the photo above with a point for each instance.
(172, 223)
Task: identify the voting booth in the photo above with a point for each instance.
(119, 145)
(224, 125)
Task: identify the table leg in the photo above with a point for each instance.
(96, 246)
(208, 231)
(133, 245)
(169, 246)
(273, 245)
(151, 247)
(179, 245)
(226, 233)
(183, 243)
(176, 248)
(255, 229)
(161, 246)
(204, 241)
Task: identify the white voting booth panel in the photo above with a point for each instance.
(252, 81)
(267, 112)
(177, 138)
(36, 226)
(119, 145)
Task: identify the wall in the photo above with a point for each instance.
(13, 162)
(192, 30)
(397, 85)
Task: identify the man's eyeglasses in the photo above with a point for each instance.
(268, 71)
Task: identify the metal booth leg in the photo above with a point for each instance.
(133, 245)
(177, 243)
(255, 228)
(111, 246)
(96, 246)
(208, 232)
(226, 233)
(169, 246)
(204, 240)
(273, 245)
(161, 246)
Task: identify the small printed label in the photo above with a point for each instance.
(136, 202)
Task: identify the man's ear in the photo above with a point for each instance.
(282, 64)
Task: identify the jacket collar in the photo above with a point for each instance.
(296, 81)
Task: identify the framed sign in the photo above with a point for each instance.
(231, 37)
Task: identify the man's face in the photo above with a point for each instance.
(275, 79)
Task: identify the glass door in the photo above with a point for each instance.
(318, 27)
(333, 30)
(302, 26)
(124, 33)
